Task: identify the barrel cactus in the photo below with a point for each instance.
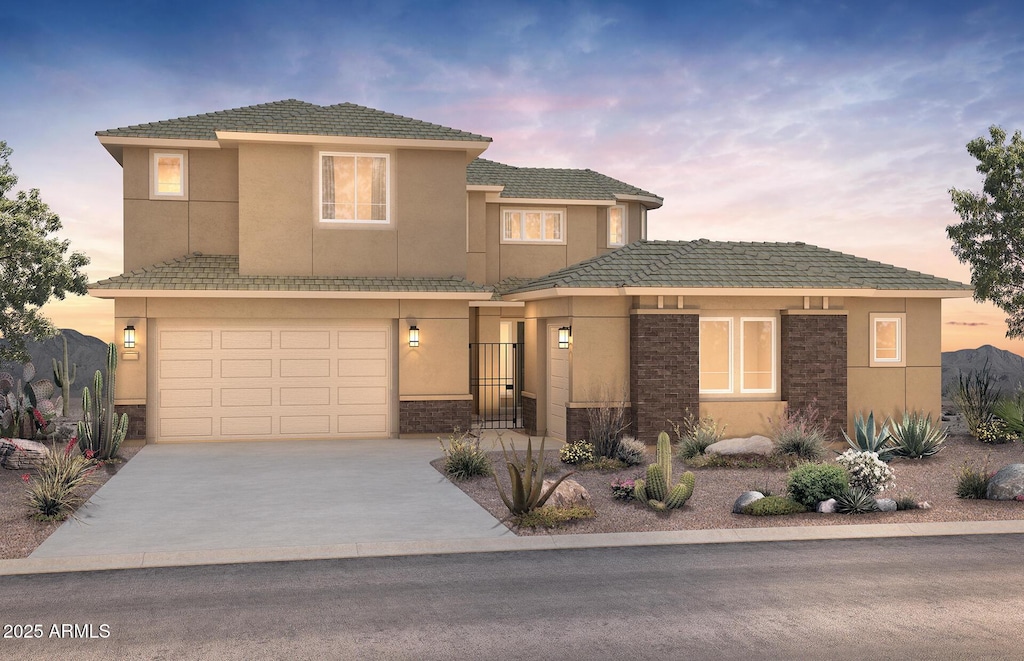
(657, 489)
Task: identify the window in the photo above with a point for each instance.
(749, 359)
(168, 175)
(887, 339)
(617, 225)
(533, 226)
(354, 188)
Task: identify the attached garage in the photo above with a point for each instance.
(226, 379)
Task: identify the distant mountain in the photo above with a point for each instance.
(88, 352)
(1007, 368)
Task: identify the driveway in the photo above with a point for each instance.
(207, 496)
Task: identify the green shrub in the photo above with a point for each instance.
(855, 500)
(994, 432)
(631, 451)
(809, 484)
(868, 438)
(906, 503)
(916, 436)
(800, 433)
(602, 464)
(576, 452)
(550, 516)
(463, 458)
(971, 483)
(694, 435)
(53, 493)
(974, 396)
(774, 506)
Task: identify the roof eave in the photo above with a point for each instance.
(473, 148)
(555, 292)
(649, 201)
(109, 293)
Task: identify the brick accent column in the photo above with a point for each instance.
(136, 419)
(434, 416)
(814, 364)
(577, 423)
(663, 370)
(529, 414)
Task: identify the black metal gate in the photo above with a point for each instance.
(496, 381)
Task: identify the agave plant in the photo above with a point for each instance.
(870, 439)
(527, 478)
(917, 436)
(855, 501)
(1011, 412)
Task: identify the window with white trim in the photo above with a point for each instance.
(168, 175)
(617, 225)
(888, 336)
(533, 226)
(738, 363)
(354, 188)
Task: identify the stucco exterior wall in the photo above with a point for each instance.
(430, 204)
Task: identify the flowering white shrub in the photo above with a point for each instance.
(866, 470)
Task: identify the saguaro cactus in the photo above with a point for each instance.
(64, 376)
(657, 490)
(101, 431)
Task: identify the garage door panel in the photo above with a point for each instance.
(362, 339)
(246, 339)
(186, 339)
(363, 395)
(247, 426)
(185, 398)
(362, 367)
(363, 424)
(186, 427)
(233, 397)
(305, 424)
(305, 339)
(186, 369)
(320, 396)
(237, 368)
(305, 367)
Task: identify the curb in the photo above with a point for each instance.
(27, 566)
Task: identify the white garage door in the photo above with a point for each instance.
(234, 380)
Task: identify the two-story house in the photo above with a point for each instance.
(295, 271)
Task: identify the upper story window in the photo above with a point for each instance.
(533, 226)
(747, 360)
(888, 335)
(169, 175)
(354, 188)
(617, 225)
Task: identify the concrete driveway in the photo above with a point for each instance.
(206, 496)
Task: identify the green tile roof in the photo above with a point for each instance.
(295, 117)
(549, 183)
(220, 273)
(711, 264)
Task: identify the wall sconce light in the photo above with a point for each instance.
(564, 333)
(129, 337)
(414, 336)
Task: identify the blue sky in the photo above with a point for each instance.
(841, 125)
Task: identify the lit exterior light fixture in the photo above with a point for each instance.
(129, 337)
(564, 333)
(414, 336)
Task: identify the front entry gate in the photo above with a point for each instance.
(496, 381)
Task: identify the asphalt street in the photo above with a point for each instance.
(911, 598)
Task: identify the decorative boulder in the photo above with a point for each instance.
(1007, 484)
(827, 506)
(18, 454)
(745, 499)
(885, 504)
(753, 445)
(569, 493)
(924, 505)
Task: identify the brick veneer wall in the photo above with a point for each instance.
(577, 423)
(529, 414)
(663, 370)
(814, 364)
(434, 416)
(136, 419)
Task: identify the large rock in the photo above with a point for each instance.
(886, 504)
(752, 445)
(827, 506)
(19, 454)
(1007, 484)
(569, 493)
(745, 499)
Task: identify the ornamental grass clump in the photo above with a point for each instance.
(809, 484)
(53, 493)
(576, 452)
(631, 451)
(866, 471)
(856, 500)
(694, 435)
(974, 395)
(972, 483)
(916, 436)
(800, 433)
(463, 457)
(554, 517)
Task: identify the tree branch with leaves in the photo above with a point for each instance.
(36, 265)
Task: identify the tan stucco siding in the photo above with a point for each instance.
(130, 385)
(275, 210)
(431, 208)
(600, 357)
(154, 231)
(364, 252)
(440, 365)
(742, 418)
(583, 233)
(213, 228)
(213, 175)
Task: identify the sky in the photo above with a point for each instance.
(842, 125)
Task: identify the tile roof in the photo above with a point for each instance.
(548, 183)
(711, 264)
(295, 117)
(220, 273)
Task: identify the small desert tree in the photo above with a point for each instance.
(991, 236)
(34, 264)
